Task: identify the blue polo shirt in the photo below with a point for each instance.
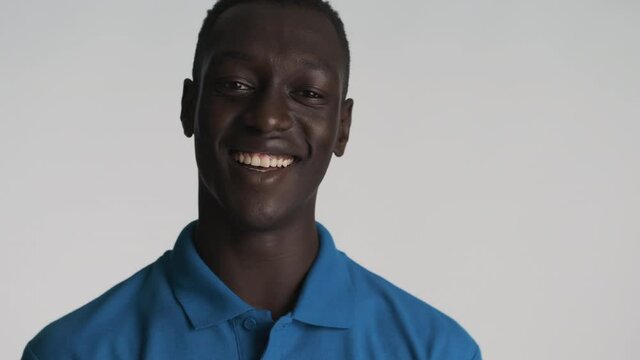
(177, 309)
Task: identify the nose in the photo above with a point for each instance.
(269, 111)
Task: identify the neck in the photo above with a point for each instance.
(265, 267)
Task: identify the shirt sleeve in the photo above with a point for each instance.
(28, 354)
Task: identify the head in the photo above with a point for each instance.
(269, 88)
(321, 6)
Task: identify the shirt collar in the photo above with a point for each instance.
(326, 297)
(205, 299)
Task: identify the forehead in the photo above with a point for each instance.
(286, 32)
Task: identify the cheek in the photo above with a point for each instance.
(210, 119)
(323, 132)
(210, 128)
(216, 113)
(213, 123)
(321, 136)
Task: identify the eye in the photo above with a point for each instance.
(310, 94)
(232, 87)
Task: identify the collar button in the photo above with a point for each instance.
(249, 323)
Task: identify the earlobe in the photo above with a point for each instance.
(187, 110)
(344, 127)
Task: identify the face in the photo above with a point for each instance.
(267, 112)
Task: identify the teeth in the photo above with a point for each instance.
(263, 160)
(255, 160)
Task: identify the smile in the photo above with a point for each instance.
(262, 161)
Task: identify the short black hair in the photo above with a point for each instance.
(318, 5)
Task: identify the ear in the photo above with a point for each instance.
(188, 107)
(343, 127)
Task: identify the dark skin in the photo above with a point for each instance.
(271, 81)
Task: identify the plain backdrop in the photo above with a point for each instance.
(493, 168)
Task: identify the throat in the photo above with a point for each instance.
(265, 270)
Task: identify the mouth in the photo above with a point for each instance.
(263, 162)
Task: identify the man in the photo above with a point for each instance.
(255, 276)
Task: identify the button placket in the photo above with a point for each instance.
(252, 332)
(277, 338)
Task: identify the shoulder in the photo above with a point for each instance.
(429, 331)
(108, 319)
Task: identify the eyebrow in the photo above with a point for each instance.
(236, 55)
(304, 61)
(313, 65)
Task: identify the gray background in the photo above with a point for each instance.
(492, 171)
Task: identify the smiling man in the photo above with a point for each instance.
(256, 276)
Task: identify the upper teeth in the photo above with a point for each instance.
(263, 160)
